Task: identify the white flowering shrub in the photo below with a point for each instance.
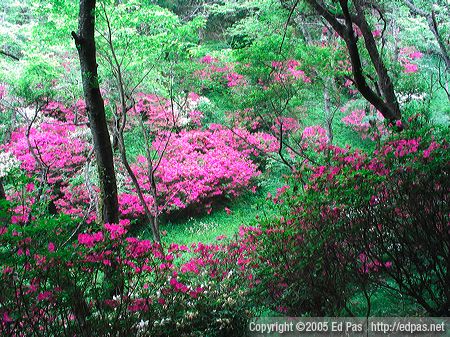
(7, 163)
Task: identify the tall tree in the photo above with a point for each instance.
(433, 25)
(85, 43)
(343, 20)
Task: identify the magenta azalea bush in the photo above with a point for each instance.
(51, 146)
(54, 150)
(195, 167)
(198, 167)
(363, 222)
(104, 282)
(355, 225)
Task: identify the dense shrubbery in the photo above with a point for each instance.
(103, 283)
(198, 167)
(195, 166)
(196, 123)
(54, 150)
(363, 222)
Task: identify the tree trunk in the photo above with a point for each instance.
(432, 24)
(384, 80)
(329, 115)
(387, 105)
(118, 130)
(2, 190)
(85, 43)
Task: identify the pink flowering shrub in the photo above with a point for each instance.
(363, 219)
(55, 286)
(58, 111)
(288, 71)
(407, 57)
(54, 152)
(55, 147)
(314, 137)
(2, 91)
(371, 127)
(285, 124)
(213, 72)
(160, 115)
(198, 167)
(234, 79)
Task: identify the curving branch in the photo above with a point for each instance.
(432, 24)
(8, 54)
(384, 82)
(386, 103)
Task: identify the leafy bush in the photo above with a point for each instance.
(59, 282)
(362, 222)
(198, 167)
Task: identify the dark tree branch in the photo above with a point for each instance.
(387, 106)
(327, 15)
(432, 24)
(357, 69)
(14, 57)
(119, 127)
(287, 23)
(384, 80)
(2, 190)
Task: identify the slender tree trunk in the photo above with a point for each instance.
(432, 24)
(387, 105)
(79, 305)
(329, 115)
(384, 80)
(14, 57)
(2, 190)
(153, 187)
(85, 43)
(152, 218)
(118, 130)
(3, 220)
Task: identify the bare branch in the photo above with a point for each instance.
(8, 54)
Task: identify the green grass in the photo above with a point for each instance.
(134, 143)
(385, 303)
(207, 227)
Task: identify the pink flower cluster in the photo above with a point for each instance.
(314, 135)
(198, 166)
(54, 145)
(214, 70)
(234, 79)
(89, 240)
(403, 147)
(58, 111)
(368, 265)
(407, 55)
(285, 124)
(288, 70)
(2, 90)
(359, 121)
(159, 114)
(117, 230)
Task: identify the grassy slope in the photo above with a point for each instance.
(207, 227)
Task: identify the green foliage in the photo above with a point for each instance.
(226, 218)
(34, 80)
(310, 255)
(358, 228)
